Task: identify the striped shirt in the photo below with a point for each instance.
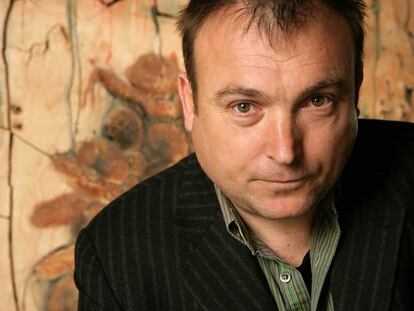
(286, 282)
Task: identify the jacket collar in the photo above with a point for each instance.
(218, 271)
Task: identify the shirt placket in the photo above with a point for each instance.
(293, 288)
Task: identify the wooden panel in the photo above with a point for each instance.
(387, 92)
(40, 78)
(79, 72)
(7, 301)
(62, 106)
(34, 181)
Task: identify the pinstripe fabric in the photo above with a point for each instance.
(163, 244)
(324, 243)
(377, 198)
(290, 296)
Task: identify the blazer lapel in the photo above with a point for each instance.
(218, 271)
(365, 262)
(371, 215)
(222, 274)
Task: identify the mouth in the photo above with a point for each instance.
(283, 181)
(282, 184)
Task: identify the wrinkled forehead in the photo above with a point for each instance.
(236, 23)
(276, 25)
(225, 50)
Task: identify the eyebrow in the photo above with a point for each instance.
(237, 91)
(339, 85)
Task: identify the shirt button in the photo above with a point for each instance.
(285, 277)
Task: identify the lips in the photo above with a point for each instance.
(280, 185)
(281, 180)
(287, 181)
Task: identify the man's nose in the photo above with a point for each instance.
(284, 143)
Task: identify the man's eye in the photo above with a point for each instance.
(319, 101)
(243, 107)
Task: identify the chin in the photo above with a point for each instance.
(286, 208)
(278, 207)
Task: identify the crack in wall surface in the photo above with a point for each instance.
(42, 46)
(71, 20)
(10, 153)
(376, 9)
(155, 15)
(25, 141)
(76, 61)
(407, 24)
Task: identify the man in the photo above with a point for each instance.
(265, 216)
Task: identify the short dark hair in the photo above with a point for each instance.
(285, 15)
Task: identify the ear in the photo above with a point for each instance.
(358, 90)
(187, 100)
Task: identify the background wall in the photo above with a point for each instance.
(88, 107)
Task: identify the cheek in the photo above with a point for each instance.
(212, 143)
(329, 146)
(223, 149)
(218, 135)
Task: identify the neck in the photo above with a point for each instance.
(293, 234)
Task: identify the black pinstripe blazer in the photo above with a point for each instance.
(163, 245)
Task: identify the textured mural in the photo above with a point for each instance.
(387, 91)
(141, 133)
(89, 107)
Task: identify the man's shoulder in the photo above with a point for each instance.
(382, 163)
(384, 144)
(151, 197)
(385, 131)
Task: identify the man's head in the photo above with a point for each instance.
(276, 117)
(269, 15)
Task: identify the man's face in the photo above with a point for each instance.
(275, 125)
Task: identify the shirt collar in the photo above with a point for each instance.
(238, 229)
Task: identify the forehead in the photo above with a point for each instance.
(224, 40)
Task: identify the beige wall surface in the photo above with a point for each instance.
(88, 107)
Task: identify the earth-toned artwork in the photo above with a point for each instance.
(141, 133)
(89, 108)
